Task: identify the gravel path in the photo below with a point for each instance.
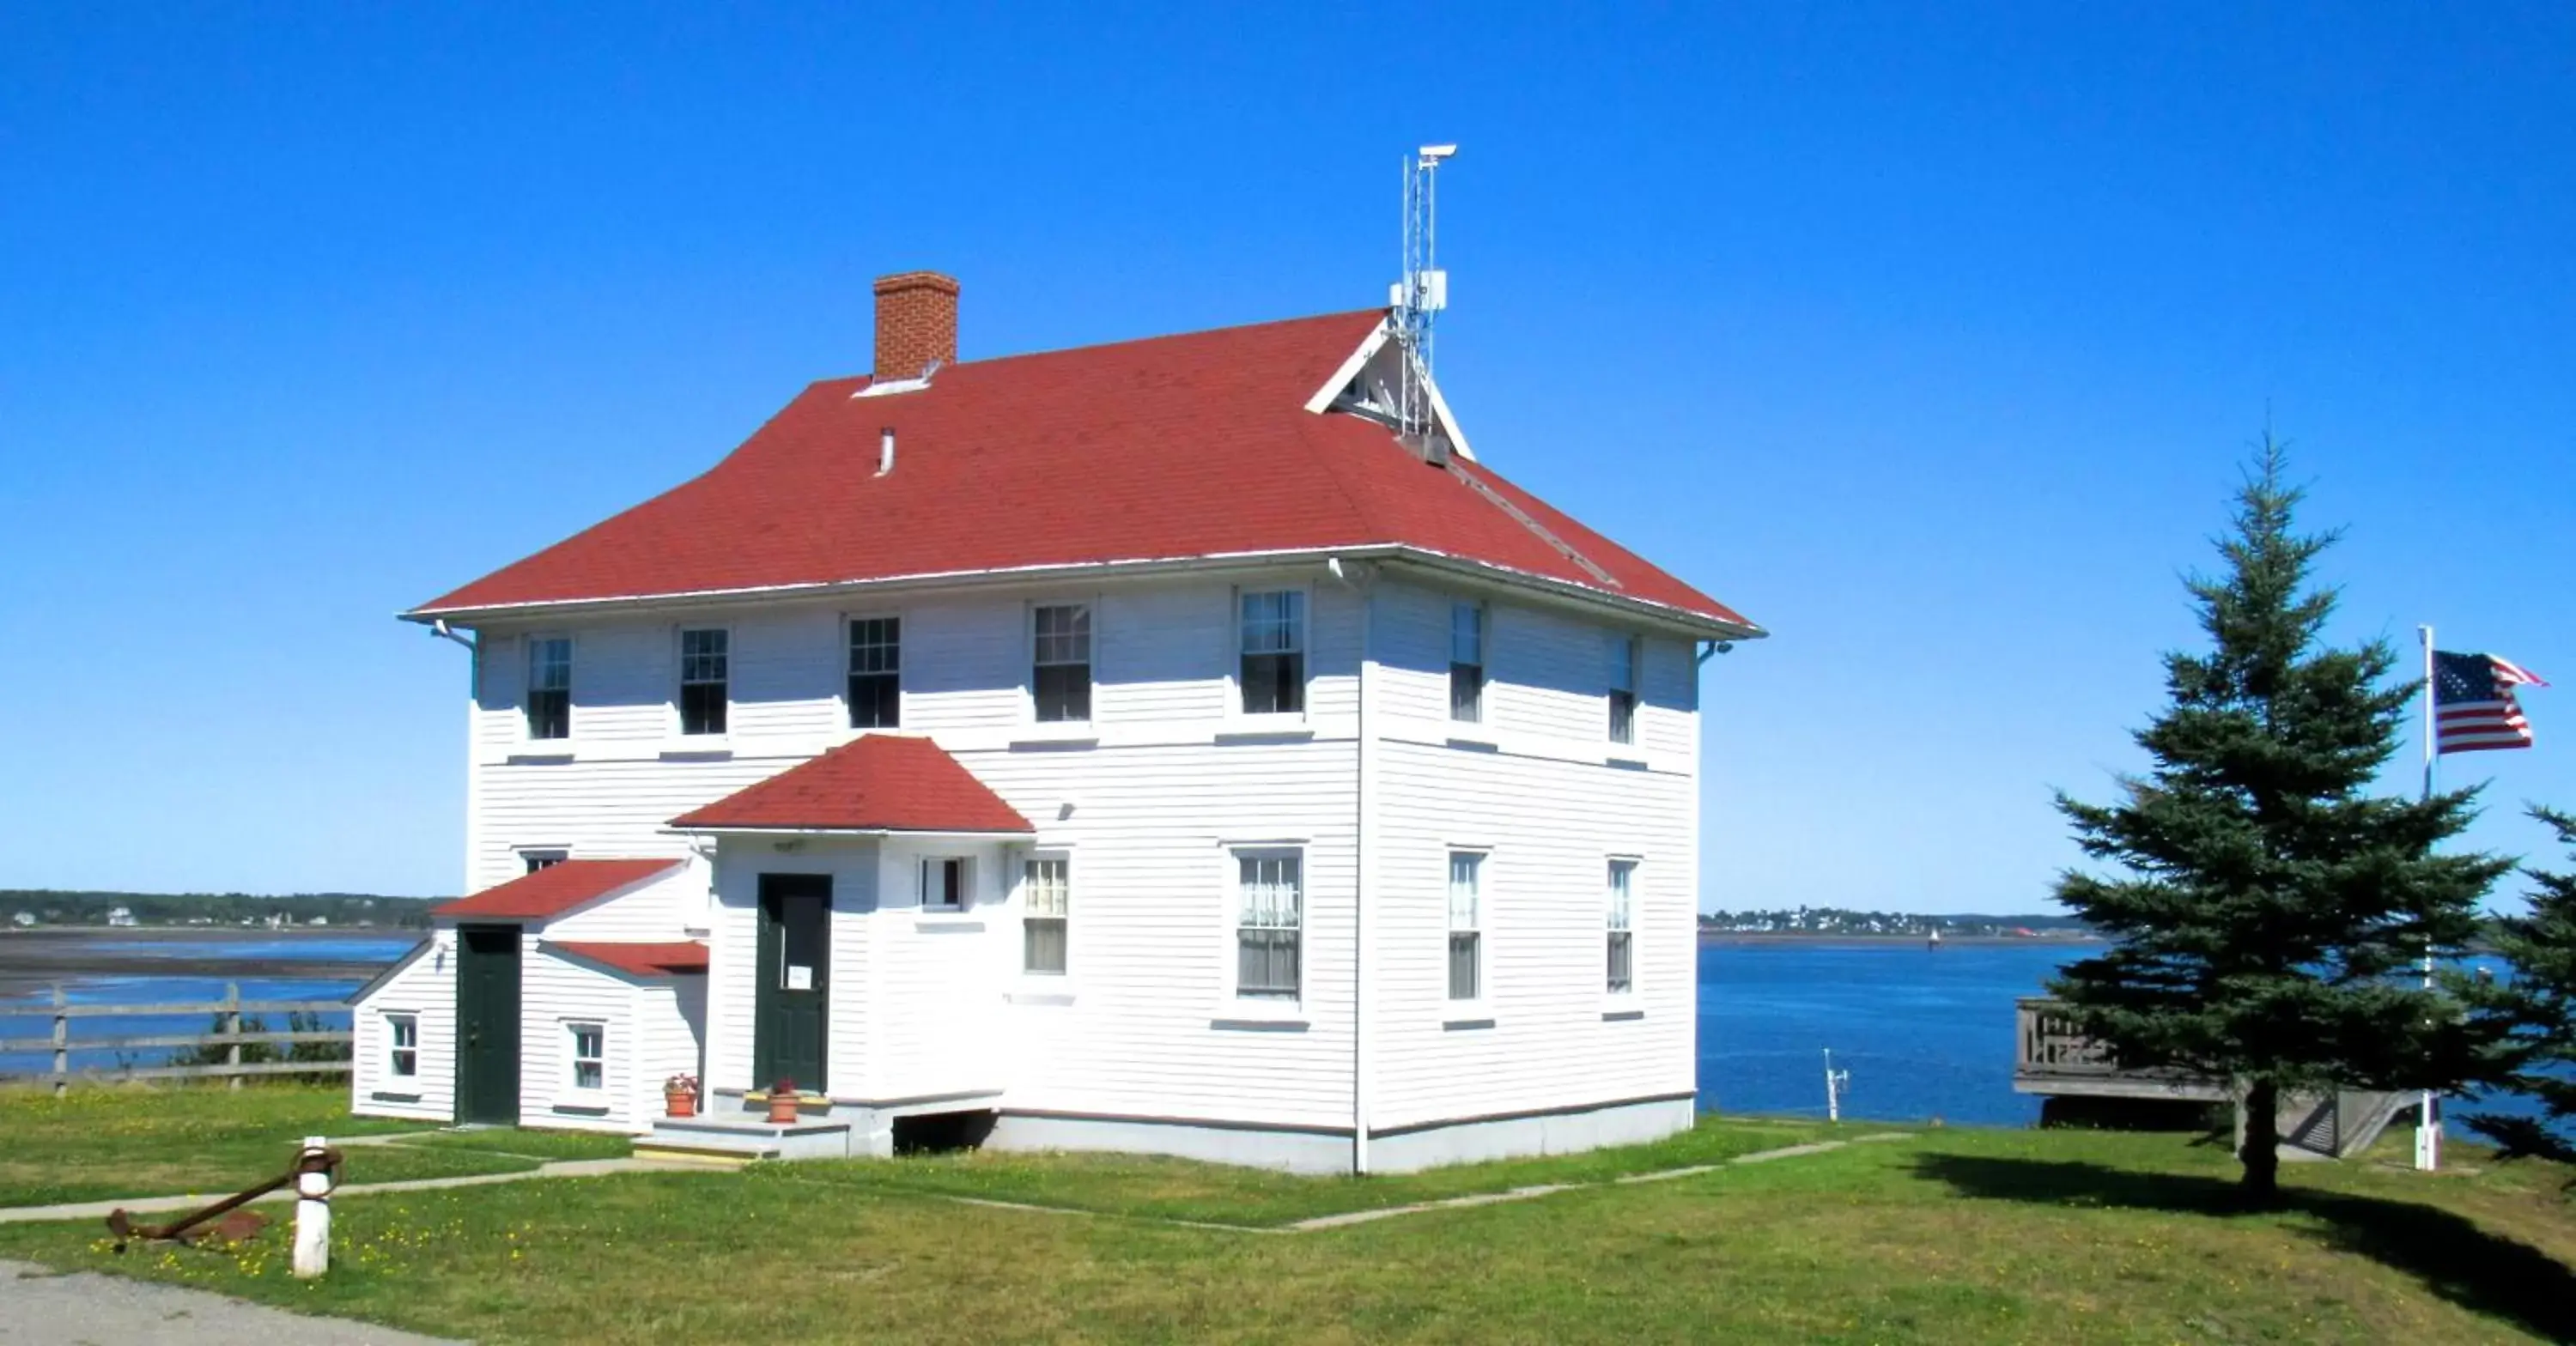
(87, 1309)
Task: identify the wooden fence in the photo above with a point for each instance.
(232, 1007)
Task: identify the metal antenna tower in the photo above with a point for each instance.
(1424, 289)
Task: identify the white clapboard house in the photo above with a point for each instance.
(1147, 747)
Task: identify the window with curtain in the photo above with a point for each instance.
(1060, 685)
(1269, 920)
(1273, 652)
(550, 687)
(876, 673)
(1467, 662)
(1621, 919)
(702, 681)
(1046, 895)
(1623, 689)
(1466, 925)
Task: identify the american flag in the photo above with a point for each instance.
(2473, 705)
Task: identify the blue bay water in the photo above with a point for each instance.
(1924, 1032)
(28, 1014)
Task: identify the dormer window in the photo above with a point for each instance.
(550, 687)
(1060, 684)
(702, 681)
(1273, 648)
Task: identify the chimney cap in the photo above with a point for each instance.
(917, 280)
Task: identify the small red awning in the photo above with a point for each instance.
(678, 958)
(553, 890)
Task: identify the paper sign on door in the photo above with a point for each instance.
(799, 978)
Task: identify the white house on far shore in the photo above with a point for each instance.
(1155, 746)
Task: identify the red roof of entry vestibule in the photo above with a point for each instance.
(553, 890)
(644, 960)
(873, 783)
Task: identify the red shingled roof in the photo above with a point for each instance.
(553, 890)
(873, 783)
(643, 960)
(1162, 449)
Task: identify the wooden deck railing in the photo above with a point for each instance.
(2051, 1057)
(61, 1043)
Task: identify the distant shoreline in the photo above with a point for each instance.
(1825, 937)
(38, 959)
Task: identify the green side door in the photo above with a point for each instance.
(487, 1024)
(792, 1003)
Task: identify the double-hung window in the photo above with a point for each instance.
(1467, 662)
(1060, 684)
(589, 1046)
(1466, 925)
(1269, 923)
(402, 1055)
(1623, 689)
(1046, 905)
(1621, 919)
(702, 681)
(876, 673)
(550, 687)
(943, 883)
(1273, 647)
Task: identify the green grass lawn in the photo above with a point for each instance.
(106, 1143)
(1951, 1236)
(1178, 1189)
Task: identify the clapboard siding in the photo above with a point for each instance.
(554, 993)
(426, 988)
(1153, 1028)
(1540, 1037)
(658, 910)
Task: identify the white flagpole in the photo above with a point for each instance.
(2428, 1125)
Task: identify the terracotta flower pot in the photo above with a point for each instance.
(679, 1103)
(782, 1107)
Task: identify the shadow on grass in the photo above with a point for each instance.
(2451, 1256)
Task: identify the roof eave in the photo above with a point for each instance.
(721, 830)
(1700, 624)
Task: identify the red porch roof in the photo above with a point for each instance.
(1134, 451)
(644, 960)
(553, 890)
(874, 783)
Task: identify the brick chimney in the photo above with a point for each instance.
(916, 323)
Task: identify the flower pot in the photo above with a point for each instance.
(679, 1103)
(782, 1108)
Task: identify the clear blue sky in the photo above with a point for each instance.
(1929, 336)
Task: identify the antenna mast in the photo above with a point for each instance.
(1424, 289)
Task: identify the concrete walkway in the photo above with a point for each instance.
(155, 1205)
(88, 1309)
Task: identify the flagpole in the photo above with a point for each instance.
(2428, 1124)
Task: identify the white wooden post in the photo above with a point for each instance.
(232, 1028)
(312, 1217)
(62, 1043)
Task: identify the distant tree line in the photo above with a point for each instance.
(1847, 921)
(361, 910)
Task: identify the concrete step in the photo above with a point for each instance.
(754, 1137)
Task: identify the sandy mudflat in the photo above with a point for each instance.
(33, 960)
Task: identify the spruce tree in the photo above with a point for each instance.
(2536, 1011)
(2264, 906)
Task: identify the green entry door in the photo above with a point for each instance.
(487, 1024)
(794, 998)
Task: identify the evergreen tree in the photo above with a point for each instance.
(2536, 1010)
(2265, 909)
